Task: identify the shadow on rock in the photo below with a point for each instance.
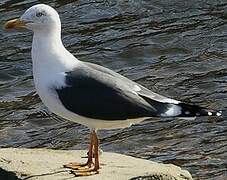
(8, 175)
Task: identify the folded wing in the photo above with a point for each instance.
(97, 92)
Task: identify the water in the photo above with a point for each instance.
(175, 48)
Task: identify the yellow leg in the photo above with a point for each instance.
(96, 151)
(89, 163)
(92, 169)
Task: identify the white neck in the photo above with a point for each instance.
(48, 52)
(47, 39)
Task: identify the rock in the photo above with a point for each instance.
(46, 164)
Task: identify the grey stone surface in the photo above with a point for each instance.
(46, 164)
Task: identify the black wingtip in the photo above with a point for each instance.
(194, 110)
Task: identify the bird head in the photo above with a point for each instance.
(36, 18)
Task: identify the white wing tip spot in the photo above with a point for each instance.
(219, 113)
(187, 112)
(210, 113)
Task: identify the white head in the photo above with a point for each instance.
(39, 17)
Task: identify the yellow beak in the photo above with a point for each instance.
(14, 23)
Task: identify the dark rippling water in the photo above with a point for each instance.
(175, 48)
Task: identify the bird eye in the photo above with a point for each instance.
(39, 14)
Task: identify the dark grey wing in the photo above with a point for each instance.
(97, 92)
(133, 85)
(100, 95)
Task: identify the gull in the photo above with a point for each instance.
(87, 93)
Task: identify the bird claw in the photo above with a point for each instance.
(85, 172)
(73, 165)
(78, 166)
